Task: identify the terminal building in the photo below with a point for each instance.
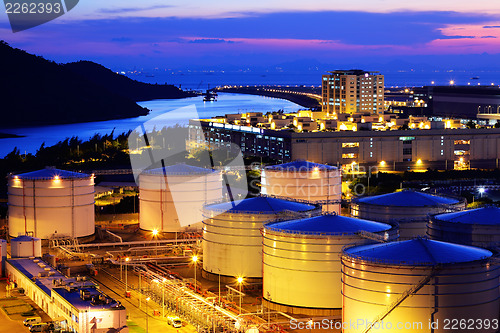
(417, 149)
(74, 304)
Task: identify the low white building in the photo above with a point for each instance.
(73, 303)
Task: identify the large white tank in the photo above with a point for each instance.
(51, 202)
(477, 227)
(409, 209)
(301, 260)
(232, 243)
(171, 198)
(425, 281)
(25, 247)
(313, 182)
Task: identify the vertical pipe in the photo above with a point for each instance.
(35, 233)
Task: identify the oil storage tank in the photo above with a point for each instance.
(51, 202)
(304, 180)
(301, 260)
(477, 227)
(410, 209)
(232, 242)
(25, 247)
(409, 285)
(171, 197)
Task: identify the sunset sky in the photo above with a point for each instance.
(183, 34)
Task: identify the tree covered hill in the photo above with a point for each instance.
(35, 91)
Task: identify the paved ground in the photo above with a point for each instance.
(138, 321)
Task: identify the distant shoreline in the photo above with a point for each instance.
(10, 136)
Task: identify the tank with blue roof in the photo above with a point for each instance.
(409, 209)
(51, 202)
(476, 227)
(232, 241)
(301, 260)
(417, 282)
(304, 180)
(171, 197)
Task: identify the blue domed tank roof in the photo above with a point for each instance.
(486, 215)
(261, 205)
(300, 165)
(407, 199)
(50, 173)
(178, 169)
(24, 238)
(419, 252)
(328, 224)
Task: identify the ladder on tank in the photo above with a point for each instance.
(401, 299)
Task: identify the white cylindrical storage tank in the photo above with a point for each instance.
(313, 182)
(232, 242)
(301, 260)
(410, 209)
(476, 227)
(405, 286)
(51, 202)
(25, 247)
(171, 198)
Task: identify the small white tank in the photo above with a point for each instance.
(303, 180)
(51, 202)
(171, 198)
(232, 242)
(301, 260)
(409, 209)
(25, 247)
(404, 286)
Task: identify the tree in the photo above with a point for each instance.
(471, 124)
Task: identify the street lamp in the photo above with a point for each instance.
(163, 298)
(147, 315)
(240, 282)
(195, 260)
(126, 277)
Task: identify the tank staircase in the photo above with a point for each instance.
(372, 236)
(413, 290)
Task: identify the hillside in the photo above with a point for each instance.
(122, 85)
(35, 91)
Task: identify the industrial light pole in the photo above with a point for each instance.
(126, 277)
(240, 281)
(195, 261)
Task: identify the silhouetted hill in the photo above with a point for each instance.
(122, 85)
(35, 91)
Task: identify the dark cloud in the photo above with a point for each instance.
(488, 37)
(131, 9)
(491, 27)
(210, 41)
(457, 37)
(121, 39)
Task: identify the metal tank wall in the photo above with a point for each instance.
(481, 228)
(51, 206)
(412, 220)
(310, 184)
(462, 291)
(302, 270)
(25, 247)
(232, 241)
(177, 204)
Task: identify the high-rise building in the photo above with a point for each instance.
(352, 91)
